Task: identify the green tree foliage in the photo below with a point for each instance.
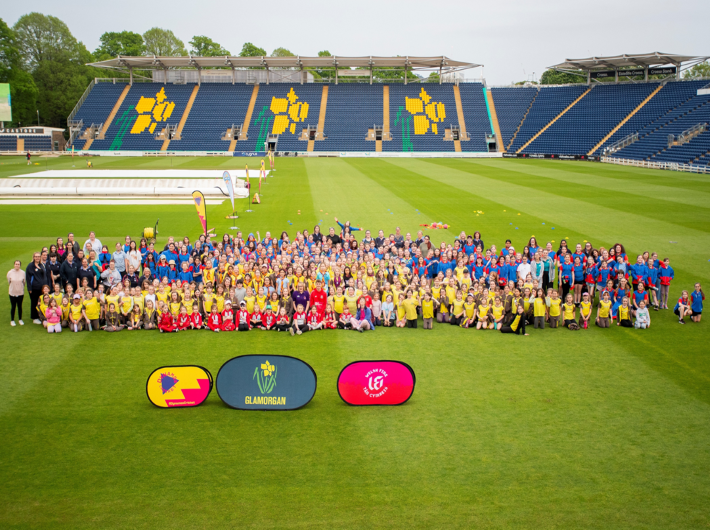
(57, 64)
(249, 50)
(698, 70)
(553, 77)
(23, 91)
(433, 77)
(163, 42)
(282, 52)
(119, 43)
(205, 47)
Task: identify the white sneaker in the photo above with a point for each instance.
(37, 321)
(12, 323)
(21, 323)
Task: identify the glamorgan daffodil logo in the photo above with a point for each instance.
(265, 375)
(285, 113)
(423, 112)
(293, 112)
(149, 109)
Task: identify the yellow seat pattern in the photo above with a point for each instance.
(279, 105)
(294, 112)
(142, 121)
(145, 105)
(414, 105)
(148, 111)
(421, 124)
(280, 124)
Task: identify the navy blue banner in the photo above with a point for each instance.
(266, 382)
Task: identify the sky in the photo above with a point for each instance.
(515, 40)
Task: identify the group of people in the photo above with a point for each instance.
(323, 281)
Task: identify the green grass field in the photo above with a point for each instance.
(589, 429)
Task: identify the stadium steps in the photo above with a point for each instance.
(622, 122)
(385, 114)
(114, 111)
(494, 119)
(185, 114)
(512, 138)
(321, 118)
(247, 120)
(462, 123)
(87, 145)
(538, 133)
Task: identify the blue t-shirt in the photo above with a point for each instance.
(696, 301)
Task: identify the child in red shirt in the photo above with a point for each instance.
(228, 316)
(183, 319)
(314, 320)
(255, 320)
(214, 320)
(282, 320)
(300, 325)
(329, 322)
(243, 317)
(167, 324)
(196, 317)
(268, 320)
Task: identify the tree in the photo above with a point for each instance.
(23, 91)
(433, 77)
(44, 38)
(553, 77)
(205, 47)
(249, 50)
(120, 43)
(282, 52)
(698, 70)
(163, 42)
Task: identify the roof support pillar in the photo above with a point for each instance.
(645, 73)
(440, 75)
(405, 74)
(589, 77)
(199, 76)
(234, 75)
(616, 75)
(370, 74)
(130, 75)
(336, 75)
(267, 75)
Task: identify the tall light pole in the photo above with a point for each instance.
(37, 116)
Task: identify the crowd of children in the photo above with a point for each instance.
(337, 281)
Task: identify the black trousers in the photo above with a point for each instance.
(412, 323)
(545, 282)
(34, 298)
(518, 331)
(16, 302)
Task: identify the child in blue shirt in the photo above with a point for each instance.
(696, 303)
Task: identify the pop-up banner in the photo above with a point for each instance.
(376, 383)
(178, 386)
(266, 382)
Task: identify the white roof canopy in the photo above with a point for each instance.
(628, 61)
(413, 63)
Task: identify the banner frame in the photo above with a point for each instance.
(315, 388)
(406, 365)
(209, 375)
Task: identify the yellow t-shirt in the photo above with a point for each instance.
(428, 309)
(623, 313)
(497, 311)
(483, 311)
(175, 308)
(604, 309)
(219, 299)
(76, 311)
(58, 297)
(43, 308)
(112, 300)
(162, 297)
(65, 311)
(540, 307)
(351, 301)
(569, 311)
(250, 300)
(93, 308)
(208, 300)
(139, 301)
(337, 302)
(261, 300)
(555, 307)
(469, 309)
(585, 308)
(457, 307)
(410, 308)
(401, 311)
(208, 275)
(126, 304)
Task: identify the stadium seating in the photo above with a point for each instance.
(511, 106)
(418, 116)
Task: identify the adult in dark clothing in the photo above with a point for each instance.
(380, 239)
(53, 268)
(301, 296)
(86, 272)
(333, 238)
(37, 277)
(68, 271)
(477, 241)
(132, 276)
(73, 246)
(317, 234)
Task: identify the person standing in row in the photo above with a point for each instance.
(16, 279)
(36, 276)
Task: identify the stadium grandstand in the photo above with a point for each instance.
(630, 107)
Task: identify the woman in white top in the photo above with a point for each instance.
(16, 279)
(133, 256)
